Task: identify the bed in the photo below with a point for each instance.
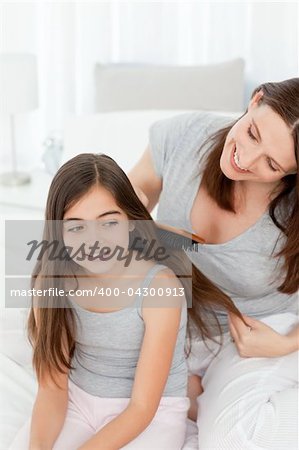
(18, 384)
(17, 381)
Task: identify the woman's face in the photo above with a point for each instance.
(97, 226)
(259, 147)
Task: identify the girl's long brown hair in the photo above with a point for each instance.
(53, 335)
(283, 98)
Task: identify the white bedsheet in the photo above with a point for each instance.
(18, 389)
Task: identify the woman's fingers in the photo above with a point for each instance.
(232, 329)
(240, 327)
(194, 390)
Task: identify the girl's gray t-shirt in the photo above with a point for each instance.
(108, 348)
(243, 267)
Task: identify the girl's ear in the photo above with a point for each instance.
(255, 99)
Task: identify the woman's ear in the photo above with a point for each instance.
(255, 99)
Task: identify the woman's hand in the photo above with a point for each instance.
(258, 339)
(194, 390)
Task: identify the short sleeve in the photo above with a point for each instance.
(164, 138)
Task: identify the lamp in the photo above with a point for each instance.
(18, 94)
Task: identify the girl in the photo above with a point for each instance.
(236, 184)
(109, 376)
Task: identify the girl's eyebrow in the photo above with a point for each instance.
(259, 136)
(98, 217)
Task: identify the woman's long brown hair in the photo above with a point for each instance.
(53, 335)
(283, 98)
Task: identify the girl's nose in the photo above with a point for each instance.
(93, 234)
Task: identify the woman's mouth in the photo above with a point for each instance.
(235, 161)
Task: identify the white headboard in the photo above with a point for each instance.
(123, 135)
(218, 87)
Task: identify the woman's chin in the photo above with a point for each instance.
(230, 173)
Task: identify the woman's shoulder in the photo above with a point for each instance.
(175, 141)
(178, 124)
(185, 131)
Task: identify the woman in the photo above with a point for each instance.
(237, 186)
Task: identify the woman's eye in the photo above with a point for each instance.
(75, 229)
(250, 134)
(270, 165)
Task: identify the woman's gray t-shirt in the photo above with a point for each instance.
(243, 267)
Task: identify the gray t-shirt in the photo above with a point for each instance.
(108, 347)
(244, 267)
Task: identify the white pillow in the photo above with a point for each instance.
(123, 135)
(218, 87)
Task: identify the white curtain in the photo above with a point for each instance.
(70, 37)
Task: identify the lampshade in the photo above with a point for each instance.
(18, 83)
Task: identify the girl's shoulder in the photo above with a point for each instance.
(143, 268)
(153, 272)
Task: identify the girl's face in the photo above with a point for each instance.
(259, 147)
(93, 227)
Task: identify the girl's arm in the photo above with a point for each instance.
(48, 417)
(161, 329)
(49, 410)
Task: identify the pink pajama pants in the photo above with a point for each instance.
(87, 414)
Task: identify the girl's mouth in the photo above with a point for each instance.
(102, 254)
(235, 161)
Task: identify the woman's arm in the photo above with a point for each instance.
(261, 340)
(145, 181)
(161, 329)
(292, 339)
(49, 409)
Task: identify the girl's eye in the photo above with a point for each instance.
(109, 224)
(250, 134)
(75, 229)
(270, 165)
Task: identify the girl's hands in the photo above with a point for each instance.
(257, 339)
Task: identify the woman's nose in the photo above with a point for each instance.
(248, 158)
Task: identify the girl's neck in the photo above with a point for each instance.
(119, 274)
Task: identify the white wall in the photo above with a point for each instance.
(69, 37)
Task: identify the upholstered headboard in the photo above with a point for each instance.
(122, 134)
(217, 87)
